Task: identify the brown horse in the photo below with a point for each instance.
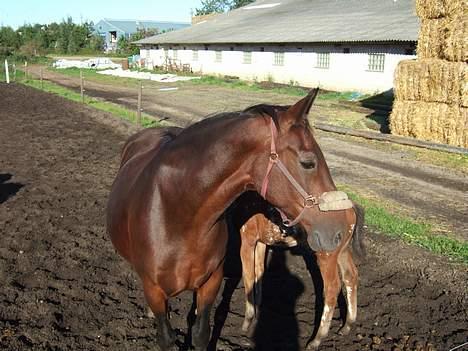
(265, 228)
(166, 208)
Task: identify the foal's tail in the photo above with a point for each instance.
(357, 240)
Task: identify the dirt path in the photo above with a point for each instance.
(64, 287)
(420, 189)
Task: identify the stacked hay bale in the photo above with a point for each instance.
(431, 93)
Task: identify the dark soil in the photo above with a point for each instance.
(64, 287)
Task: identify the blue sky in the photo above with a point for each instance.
(15, 13)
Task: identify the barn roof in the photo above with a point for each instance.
(132, 26)
(303, 21)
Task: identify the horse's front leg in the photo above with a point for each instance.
(331, 287)
(349, 275)
(206, 296)
(157, 301)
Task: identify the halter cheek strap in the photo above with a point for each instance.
(329, 201)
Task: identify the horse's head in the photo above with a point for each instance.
(296, 179)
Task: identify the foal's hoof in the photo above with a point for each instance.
(172, 347)
(313, 345)
(345, 329)
(249, 326)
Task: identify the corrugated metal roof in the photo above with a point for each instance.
(132, 26)
(303, 21)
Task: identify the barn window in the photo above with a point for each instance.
(195, 55)
(376, 62)
(323, 60)
(279, 59)
(247, 57)
(219, 56)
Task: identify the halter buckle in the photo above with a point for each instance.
(310, 201)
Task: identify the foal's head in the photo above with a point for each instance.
(324, 217)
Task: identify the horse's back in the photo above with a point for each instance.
(150, 139)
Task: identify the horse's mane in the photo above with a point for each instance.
(264, 110)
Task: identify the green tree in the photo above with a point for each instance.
(96, 42)
(239, 3)
(219, 6)
(210, 6)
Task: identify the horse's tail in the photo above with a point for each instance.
(357, 241)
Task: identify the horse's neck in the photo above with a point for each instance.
(217, 169)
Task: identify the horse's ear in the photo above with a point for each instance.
(301, 109)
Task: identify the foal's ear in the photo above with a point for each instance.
(301, 109)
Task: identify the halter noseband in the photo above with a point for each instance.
(328, 201)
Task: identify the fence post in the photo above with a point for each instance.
(25, 70)
(14, 72)
(140, 88)
(81, 86)
(42, 81)
(7, 73)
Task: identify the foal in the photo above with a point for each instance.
(261, 230)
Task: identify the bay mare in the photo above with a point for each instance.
(166, 208)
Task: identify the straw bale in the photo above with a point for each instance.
(431, 41)
(427, 9)
(456, 39)
(431, 121)
(432, 80)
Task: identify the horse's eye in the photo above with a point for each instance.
(308, 164)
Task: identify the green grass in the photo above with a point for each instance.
(228, 82)
(117, 110)
(409, 230)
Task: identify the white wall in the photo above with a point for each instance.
(346, 72)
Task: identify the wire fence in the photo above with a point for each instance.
(13, 72)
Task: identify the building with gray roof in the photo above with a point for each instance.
(111, 29)
(339, 44)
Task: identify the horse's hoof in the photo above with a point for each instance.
(345, 329)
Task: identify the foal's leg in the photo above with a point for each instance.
(206, 296)
(349, 275)
(331, 287)
(260, 252)
(157, 301)
(247, 254)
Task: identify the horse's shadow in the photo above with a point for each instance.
(7, 189)
(278, 326)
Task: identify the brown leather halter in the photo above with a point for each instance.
(328, 201)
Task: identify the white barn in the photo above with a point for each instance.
(341, 45)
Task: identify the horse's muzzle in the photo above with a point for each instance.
(318, 242)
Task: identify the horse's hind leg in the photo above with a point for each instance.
(157, 301)
(206, 296)
(331, 286)
(349, 276)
